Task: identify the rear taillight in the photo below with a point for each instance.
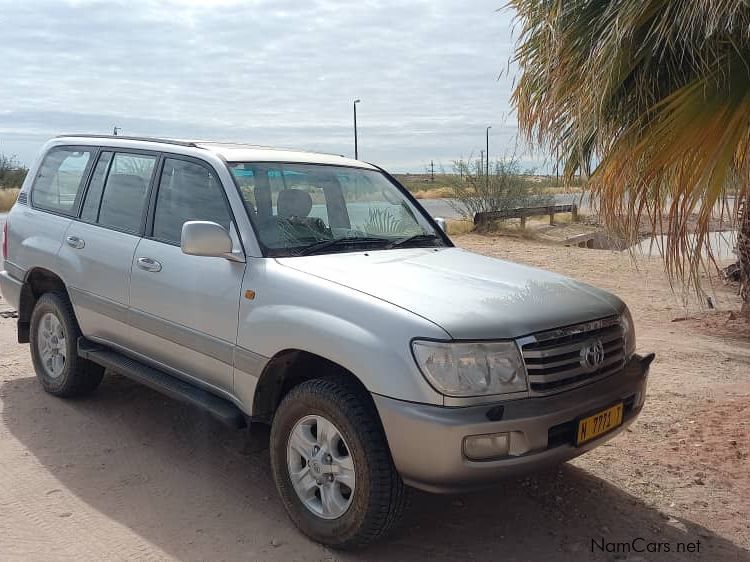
(5, 239)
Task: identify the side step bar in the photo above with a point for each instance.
(224, 410)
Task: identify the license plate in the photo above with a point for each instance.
(593, 426)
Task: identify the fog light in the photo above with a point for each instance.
(485, 447)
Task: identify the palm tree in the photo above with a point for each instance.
(649, 99)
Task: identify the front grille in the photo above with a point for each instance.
(554, 359)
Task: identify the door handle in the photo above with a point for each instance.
(148, 264)
(75, 242)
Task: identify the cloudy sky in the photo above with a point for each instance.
(274, 72)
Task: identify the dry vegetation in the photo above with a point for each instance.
(423, 186)
(433, 193)
(8, 198)
(455, 227)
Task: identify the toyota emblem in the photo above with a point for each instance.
(592, 355)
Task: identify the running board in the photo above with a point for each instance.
(223, 410)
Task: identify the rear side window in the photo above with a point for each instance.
(60, 179)
(90, 211)
(187, 191)
(124, 198)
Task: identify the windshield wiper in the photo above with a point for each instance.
(407, 239)
(325, 244)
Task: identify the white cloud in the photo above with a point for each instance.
(277, 72)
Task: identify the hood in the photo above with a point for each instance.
(469, 295)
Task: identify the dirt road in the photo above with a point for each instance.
(130, 474)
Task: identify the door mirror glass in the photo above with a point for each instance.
(205, 238)
(440, 221)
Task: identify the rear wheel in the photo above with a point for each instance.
(54, 337)
(332, 465)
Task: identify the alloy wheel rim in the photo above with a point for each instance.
(51, 345)
(321, 467)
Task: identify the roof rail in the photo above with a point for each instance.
(124, 137)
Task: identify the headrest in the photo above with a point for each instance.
(294, 203)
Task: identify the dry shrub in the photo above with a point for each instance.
(435, 193)
(458, 227)
(8, 198)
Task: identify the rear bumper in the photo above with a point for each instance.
(426, 441)
(10, 287)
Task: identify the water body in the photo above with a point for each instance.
(722, 245)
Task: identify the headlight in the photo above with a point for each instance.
(471, 369)
(628, 329)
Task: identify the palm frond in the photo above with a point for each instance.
(651, 99)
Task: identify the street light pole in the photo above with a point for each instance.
(487, 147)
(356, 149)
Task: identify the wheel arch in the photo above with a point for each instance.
(38, 281)
(287, 369)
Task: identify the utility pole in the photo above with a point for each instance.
(487, 132)
(432, 171)
(481, 162)
(356, 149)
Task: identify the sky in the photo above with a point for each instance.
(430, 74)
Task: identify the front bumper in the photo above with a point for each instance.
(426, 441)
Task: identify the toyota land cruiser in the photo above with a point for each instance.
(313, 293)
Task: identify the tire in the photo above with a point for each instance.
(70, 375)
(379, 496)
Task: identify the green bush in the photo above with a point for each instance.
(506, 187)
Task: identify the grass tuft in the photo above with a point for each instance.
(458, 227)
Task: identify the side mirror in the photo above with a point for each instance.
(441, 223)
(206, 238)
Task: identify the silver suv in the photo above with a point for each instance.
(312, 293)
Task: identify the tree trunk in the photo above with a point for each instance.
(743, 255)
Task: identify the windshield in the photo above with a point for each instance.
(307, 208)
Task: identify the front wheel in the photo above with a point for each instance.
(332, 465)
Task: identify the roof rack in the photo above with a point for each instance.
(232, 144)
(125, 137)
(197, 143)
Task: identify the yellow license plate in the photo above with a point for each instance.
(593, 426)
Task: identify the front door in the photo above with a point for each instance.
(184, 309)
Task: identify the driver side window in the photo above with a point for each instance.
(188, 191)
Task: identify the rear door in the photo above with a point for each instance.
(39, 229)
(98, 249)
(184, 309)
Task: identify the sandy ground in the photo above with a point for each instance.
(129, 474)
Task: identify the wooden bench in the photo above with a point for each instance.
(524, 212)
